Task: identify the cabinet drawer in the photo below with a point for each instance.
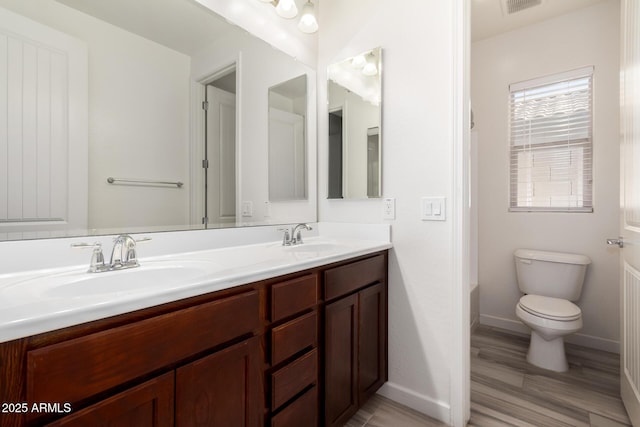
(293, 296)
(79, 368)
(351, 277)
(302, 412)
(293, 378)
(294, 336)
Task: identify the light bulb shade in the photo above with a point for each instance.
(287, 9)
(358, 61)
(308, 22)
(370, 69)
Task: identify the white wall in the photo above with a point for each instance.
(417, 150)
(138, 118)
(586, 37)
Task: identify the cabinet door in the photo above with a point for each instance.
(372, 340)
(341, 345)
(148, 405)
(222, 389)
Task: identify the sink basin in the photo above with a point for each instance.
(150, 275)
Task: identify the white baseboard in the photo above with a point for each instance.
(579, 339)
(419, 402)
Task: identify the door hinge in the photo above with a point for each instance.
(205, 164)
(205, 105)
(205, 220)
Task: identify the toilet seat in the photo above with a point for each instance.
(550, 308)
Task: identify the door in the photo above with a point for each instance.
(43, 126)
(148, 405)
(221, 156)
(335, 154)
(372, 340)
(222, 389)
(286, 143)
(630, 203)
(341, 360)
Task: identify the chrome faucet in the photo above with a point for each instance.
(296, 235)
(123, 254)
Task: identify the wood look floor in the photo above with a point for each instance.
(507, 391)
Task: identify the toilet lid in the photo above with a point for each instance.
(550, 308)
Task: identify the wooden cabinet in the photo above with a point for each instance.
(148, 405)
(341, 358)
(222, 389)
(295, 351)
(293, 376)
(215, 379)
(355, 337)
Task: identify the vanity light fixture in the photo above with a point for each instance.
(308, 22)
(287, 9)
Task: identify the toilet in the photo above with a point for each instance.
(550, 282)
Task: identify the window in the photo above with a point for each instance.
(551, 143)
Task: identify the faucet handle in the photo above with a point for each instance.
(97, 260)
(97, 257)
(286, 239)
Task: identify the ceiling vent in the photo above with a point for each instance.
(513, 6)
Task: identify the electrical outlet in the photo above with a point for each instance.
(247, 208)
(389, 208)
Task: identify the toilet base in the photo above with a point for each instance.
(547, 354)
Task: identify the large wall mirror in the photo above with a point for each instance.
(355, 142)
(137, 116)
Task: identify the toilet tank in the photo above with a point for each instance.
(551, 274)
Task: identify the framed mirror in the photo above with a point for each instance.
(288, 140)
(355, 143)
(115, 129)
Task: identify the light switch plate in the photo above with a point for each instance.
(389, 208)
(433, 209)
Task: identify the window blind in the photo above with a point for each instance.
(551, 143)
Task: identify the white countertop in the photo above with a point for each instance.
(38, 301)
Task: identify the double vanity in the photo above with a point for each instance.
(260, 334)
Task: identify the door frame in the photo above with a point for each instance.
(460, 367)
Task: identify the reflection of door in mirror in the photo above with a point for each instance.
(287, 140)
(220, 151)
(335, 154)
(43, 127)
(373, 162)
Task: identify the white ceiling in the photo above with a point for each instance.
(488, 19)
(182, 25)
